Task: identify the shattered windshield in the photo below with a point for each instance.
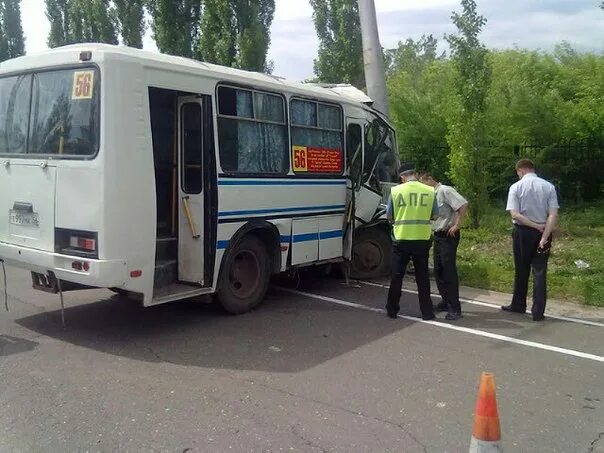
(381, 156)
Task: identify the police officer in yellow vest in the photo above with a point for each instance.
(410, 208)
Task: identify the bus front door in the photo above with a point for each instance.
(190, 191)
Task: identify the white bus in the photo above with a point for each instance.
(166, 178)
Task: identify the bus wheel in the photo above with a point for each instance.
(245, 277)
(370, 253)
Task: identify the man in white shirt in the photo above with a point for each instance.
(533, 205)
(452, 208)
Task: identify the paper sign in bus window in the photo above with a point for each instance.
(317, 160)
(83, 85)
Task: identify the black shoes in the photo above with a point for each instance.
(429, 318)
(511, 309)
(392, 315)
(453, 316)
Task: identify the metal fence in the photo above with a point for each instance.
(576, 167)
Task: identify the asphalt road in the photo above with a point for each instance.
(320, 369)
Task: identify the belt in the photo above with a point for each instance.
(525, 227)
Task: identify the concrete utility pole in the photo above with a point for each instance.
(375, 74)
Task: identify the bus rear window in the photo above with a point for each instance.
(50, 113)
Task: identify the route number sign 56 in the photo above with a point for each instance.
(83, 85)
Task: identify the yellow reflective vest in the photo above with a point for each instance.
(412, 204)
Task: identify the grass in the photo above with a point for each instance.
(485, 255)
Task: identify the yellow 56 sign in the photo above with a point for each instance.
(83, 85)
(300, 158)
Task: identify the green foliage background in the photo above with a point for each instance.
(12, 40)
(551, 101)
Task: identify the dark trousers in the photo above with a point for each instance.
(402, 252)
(445, 269)
(525, 243)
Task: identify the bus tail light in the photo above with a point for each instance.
(82, 243)
(81, 266)
(77, 243)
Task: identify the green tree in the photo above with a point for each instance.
(466, 117)
(92, 21)
(419, 85)
(340, 58)
(254, 19)
(3, 45)
(130, 17)
(74, 21)
(175, 25)
(218, 42)
(57, 12)
(236, 33)
(413, 56)
(13, 41)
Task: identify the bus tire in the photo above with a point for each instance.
(245, 276)
(371, 249)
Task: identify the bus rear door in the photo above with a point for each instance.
(190, 193)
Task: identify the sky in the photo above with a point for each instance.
(529, 24)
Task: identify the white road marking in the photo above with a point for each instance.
(498, 307)
(481, 333)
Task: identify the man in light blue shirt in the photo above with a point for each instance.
(533, 205)
(452, 208)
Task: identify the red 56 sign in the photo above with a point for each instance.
(83, 85)
(300, 158)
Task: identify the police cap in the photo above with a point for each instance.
(406, 168)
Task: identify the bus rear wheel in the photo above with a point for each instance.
(245, 277)
(371, 250)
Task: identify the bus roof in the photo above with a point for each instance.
(337, 93)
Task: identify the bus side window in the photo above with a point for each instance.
(191, 148)
(317, 137)
(252, 132)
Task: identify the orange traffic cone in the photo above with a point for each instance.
(486, 435)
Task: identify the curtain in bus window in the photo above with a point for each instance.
(269, 108)
(256, 143)
(252, 146)
(317, 128)
(329, 117)
(14, 113)
(303, 113)
(233, 102)
(63, 122)
(316, 138)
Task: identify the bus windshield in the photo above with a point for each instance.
(50, 113)
(381, 159)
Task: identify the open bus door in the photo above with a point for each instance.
(190, 190)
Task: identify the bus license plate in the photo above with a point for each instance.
(29, 219)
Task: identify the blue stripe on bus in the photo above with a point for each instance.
(305, 237)
(331, 234)
(281, 183)
(280, 210)
(221, 245)
(315, 236)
